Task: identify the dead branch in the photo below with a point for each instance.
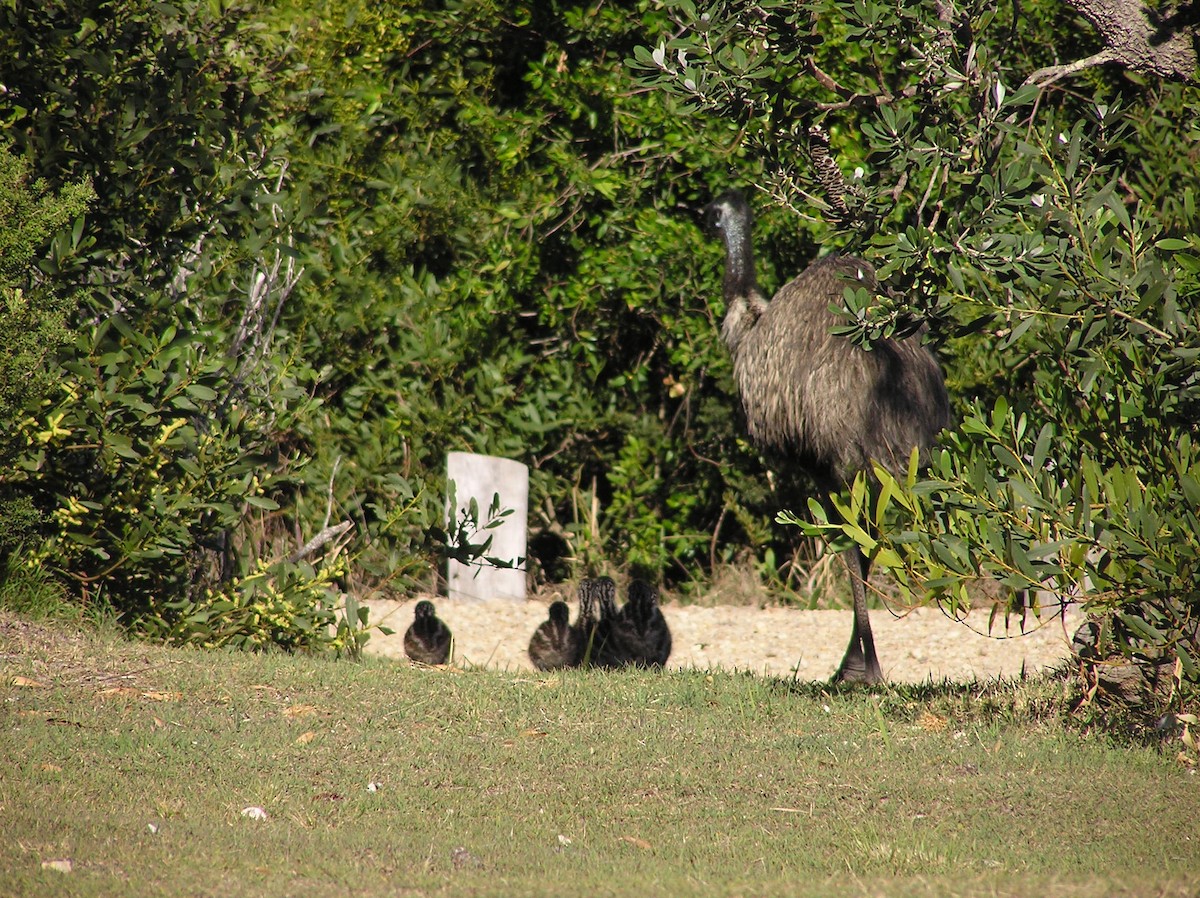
(329, 533)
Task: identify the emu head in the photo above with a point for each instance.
(728, 216)
(559, 614)
(643, 602)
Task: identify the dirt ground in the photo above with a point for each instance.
(919, 645)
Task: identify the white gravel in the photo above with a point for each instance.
(919, 645)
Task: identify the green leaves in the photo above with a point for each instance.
(1064, 302)
(497, 223)
(519, 271)
(34, 316)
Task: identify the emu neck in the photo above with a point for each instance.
(743, 301)
(740, 282)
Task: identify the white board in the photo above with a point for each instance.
(482, 478)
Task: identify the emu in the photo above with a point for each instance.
(427, 638)
(817, 402)
(640, 630)
(597, 612)
(555, 643)
(586, 622)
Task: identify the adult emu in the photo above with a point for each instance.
(817, 402)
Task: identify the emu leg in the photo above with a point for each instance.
(859, 664)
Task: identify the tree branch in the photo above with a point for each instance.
(331, 532)
(1052, 73)
(1154, 40)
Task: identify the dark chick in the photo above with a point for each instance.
(427, 639)
(640, 629)
(606, 649)
(597, 611)
(555, 643)
(585, 623)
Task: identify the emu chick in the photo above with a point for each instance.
(555, 643)
(640, 629)
(427, 639)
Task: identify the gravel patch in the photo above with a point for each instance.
(782, 642)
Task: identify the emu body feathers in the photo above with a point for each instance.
(818, 402)
(823, 401)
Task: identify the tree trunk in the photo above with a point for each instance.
(1158, 41)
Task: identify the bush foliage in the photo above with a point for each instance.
(1065, 298)
(33, 320)
(328, 245)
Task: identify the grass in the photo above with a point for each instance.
(134, 762)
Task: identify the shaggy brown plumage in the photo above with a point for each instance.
(818, 401)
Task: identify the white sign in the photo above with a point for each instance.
(497, 486)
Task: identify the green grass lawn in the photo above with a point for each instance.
(135, 763)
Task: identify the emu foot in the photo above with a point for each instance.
(856, 676)
(857, 667)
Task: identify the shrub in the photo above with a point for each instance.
(1065, 301)
(33, 320)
